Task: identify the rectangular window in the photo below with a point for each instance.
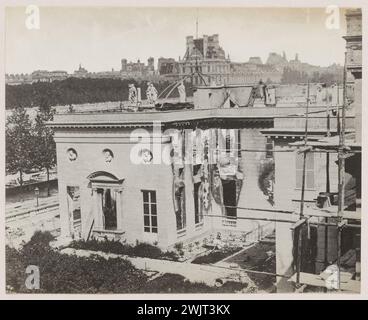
(239, 144)
(229, 198)
(309, 170)
(269, 148)
(228, 142)
(149, 211)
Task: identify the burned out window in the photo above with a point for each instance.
(309, 170)
(149, 211)
(180, 208)
(198, 216)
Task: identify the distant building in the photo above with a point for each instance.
(137, 69)
(168, 68)
(106, 74)
(206, 56)
(277, 60)
(255, 60)
(16, 79)
(81, 72)
(204, 62)
(250, 72)
(48, 76)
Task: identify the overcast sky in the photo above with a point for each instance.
(100, 37)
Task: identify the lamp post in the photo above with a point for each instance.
(37, 193)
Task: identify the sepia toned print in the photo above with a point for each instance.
(220, 152)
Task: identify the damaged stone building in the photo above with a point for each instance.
(231, 164)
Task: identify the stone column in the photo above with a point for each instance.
(64, 211)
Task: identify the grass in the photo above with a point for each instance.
(215, 256)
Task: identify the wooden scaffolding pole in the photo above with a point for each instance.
(341, 176)
(301, 215)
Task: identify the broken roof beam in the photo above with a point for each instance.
(299, 223)
(305, 149)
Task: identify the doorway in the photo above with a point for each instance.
(108, 208)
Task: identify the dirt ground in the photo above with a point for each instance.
(260, 257)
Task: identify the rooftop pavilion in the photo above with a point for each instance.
(235, 117)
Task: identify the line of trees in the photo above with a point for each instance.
(75, 91)
(29, 144)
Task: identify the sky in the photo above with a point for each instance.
(99, 37)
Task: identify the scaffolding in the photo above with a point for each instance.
(306, 147)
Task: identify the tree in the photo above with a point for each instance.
(44, 151)
(77, 91)
(18, 143)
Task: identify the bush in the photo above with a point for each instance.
(14, 270)
(174, 283)
(145, 250)
(60, 273)
(41, 238)
(77, 91)
(215, 256)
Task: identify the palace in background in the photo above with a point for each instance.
(204, 62)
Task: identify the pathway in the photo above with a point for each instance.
(193, 272)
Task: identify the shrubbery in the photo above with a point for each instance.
(77, 91)
(174, 283)
(145, 250)
(60, 273)
(215, 256)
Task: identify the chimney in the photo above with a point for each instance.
(190, 44)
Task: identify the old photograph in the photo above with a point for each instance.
(169, 150)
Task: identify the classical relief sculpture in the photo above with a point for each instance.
(72, 154)
(108, 155)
